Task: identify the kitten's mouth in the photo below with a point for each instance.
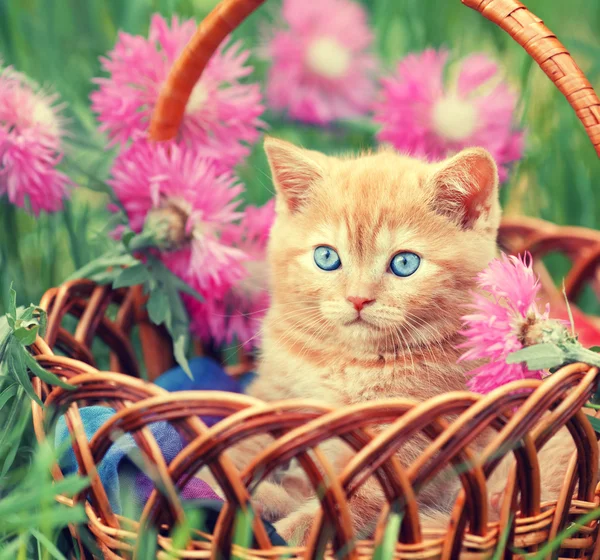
(360, 321)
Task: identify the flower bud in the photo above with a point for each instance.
(168, 227)
(538, 329)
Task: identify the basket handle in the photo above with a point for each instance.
(550, 54)
(512, 16)
(188, 68)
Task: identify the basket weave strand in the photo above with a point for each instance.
(299, 425)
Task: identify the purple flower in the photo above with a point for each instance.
(237, 314)
(423, 114)
(31, 131)
(184, 199)
(505, 316)
(222, 112)
(322, 66)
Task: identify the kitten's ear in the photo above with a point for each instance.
(294, 171)
(466, 186)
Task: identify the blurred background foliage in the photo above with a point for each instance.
(59, 42)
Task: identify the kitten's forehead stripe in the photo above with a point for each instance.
(359, 238)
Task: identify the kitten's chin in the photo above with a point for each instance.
(360, 329)
(372, 337)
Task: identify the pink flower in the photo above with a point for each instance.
(181, 197)
(425, 115)
(31, 131)
(238, 313)
(322, 68)
(222, 112)
(502, 322)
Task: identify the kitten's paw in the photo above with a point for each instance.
(272, 502)
(295, 528)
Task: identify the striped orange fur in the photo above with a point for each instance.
(368, 208)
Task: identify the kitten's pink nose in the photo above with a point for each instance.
(359, 302)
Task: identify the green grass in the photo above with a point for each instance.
(58, 42)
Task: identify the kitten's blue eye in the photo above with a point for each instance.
(405, 264)
(326, 258)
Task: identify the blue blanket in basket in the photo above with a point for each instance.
(128, 488)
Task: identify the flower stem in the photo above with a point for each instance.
(577, 353)
(144, 240)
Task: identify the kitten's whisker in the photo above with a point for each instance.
(424, 342)
(409, 351)
(422, 323)
(315, 336)
(292, 327)
(280, 320)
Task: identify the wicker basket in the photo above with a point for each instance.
(529, 416)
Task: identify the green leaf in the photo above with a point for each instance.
(48, 545)
(127, 237)
(44, 375)
(42, 321)
(11, 320)
(18, 369)
(573, 528)
(176, 319)
(539, 356)
(166, 277)
(575, 352)
(182, 533)
(180, 344)
(9, 459)
(7, 394)
(9, 551)
(499, 553)
(595, 422)
(158, 306)
(26, 335)
(5, 332)
(27, 501)
(146, 543)
(137, 274)
(180, 285)
(387, 547)
(141, 242)
(115, 258)
(107, 276)
(25, 313)
(12, 302)
(242, 532)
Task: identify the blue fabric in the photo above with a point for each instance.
(124, 483)
(246, 379)
(207, 375)
(117, 472)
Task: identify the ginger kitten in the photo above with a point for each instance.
(372, 261)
